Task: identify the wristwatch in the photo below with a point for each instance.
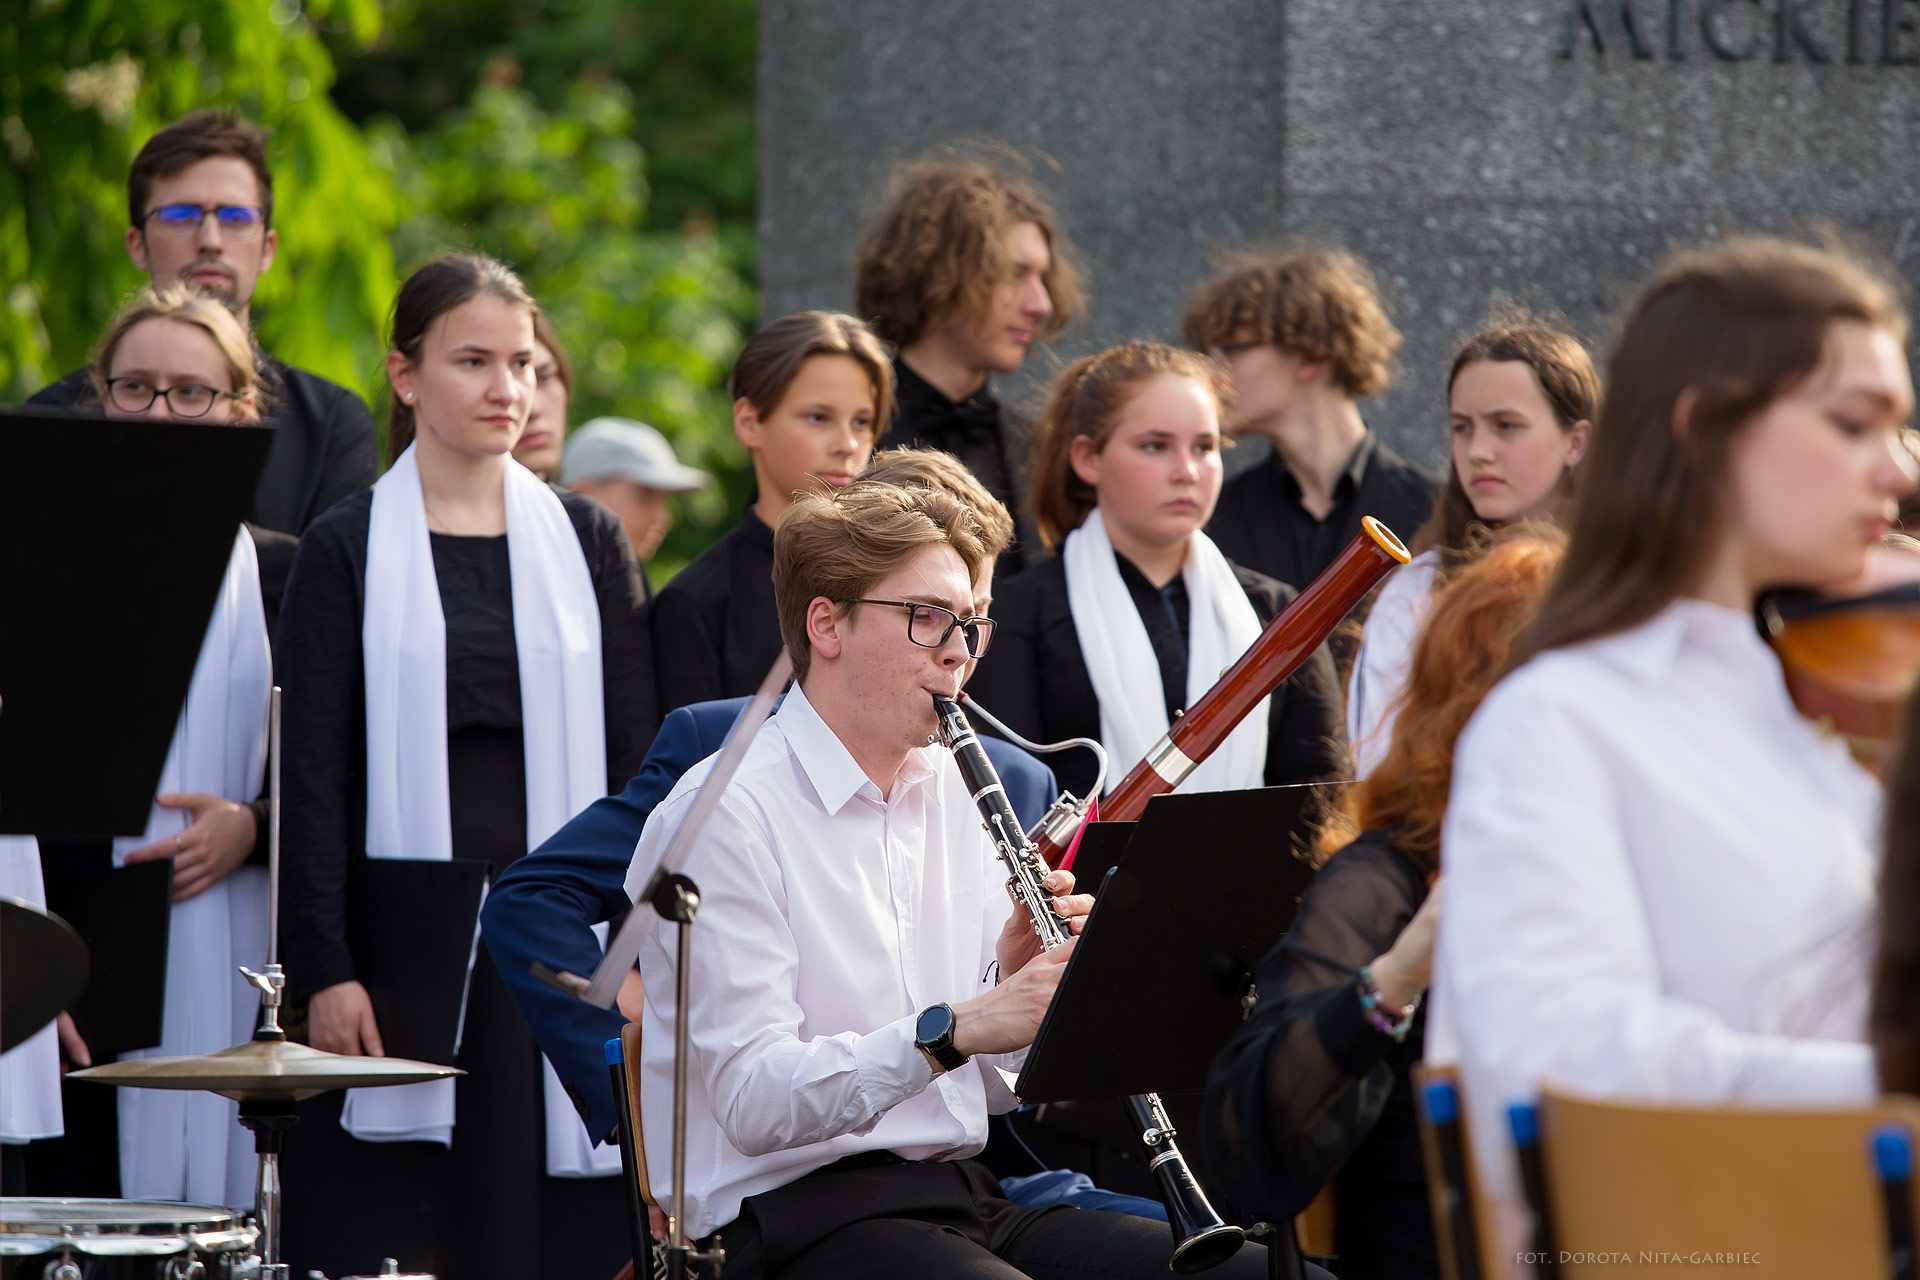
(933, 1036)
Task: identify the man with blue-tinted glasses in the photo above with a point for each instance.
(200, 210)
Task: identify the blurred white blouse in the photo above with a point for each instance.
(1661, 886)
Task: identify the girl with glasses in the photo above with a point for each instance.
(173, 355)
(1140, 614)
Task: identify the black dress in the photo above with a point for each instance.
(1309, 1091)
(1036, 680)
(714, 628)
(486, 1207)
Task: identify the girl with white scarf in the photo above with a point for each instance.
(1140, 613)
(463, 674)
(174, 355)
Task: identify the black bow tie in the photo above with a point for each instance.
(975, 420)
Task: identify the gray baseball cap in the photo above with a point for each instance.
(622, 449)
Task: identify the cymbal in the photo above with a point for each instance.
(265, 1071)
(43, 969)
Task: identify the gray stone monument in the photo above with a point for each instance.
(1473, 151)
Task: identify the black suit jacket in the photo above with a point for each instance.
(1035, 679)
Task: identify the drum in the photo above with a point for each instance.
(123, 1240)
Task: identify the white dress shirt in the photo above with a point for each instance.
(1386, 655)
(1660, 885)
(829, 918)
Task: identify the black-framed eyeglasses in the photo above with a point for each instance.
(181, 221)
(185, 399)
(1235, 348)
(929, 625)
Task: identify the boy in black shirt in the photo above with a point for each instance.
(962, 271)
(1305, 337)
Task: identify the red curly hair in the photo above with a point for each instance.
(1462, 651)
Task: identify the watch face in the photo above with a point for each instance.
(934, 1024)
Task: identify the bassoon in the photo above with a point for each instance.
(1295, 632)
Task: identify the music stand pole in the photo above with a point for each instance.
(677, 898)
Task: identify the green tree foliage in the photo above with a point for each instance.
(651, 319)
(688, 67)
(83, 83)
(524, 128)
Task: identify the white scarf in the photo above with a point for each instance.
(556, 628)
(189, 1146)
(30, 1071)
(1126, 674)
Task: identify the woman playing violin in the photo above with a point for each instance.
(1661, 872)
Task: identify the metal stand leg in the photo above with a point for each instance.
(269, 1122)
(677, 898)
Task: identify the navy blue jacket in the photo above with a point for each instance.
(544, 906)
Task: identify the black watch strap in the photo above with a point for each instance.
(933, 1036)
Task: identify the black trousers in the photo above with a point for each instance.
(941, 1219)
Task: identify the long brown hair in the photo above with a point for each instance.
(940, 247)
(1733, 326)
(1086, 400)
(1461, 652)
(1564, 372)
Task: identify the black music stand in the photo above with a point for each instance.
(1204, 889)
(114, 537)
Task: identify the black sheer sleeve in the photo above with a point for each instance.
(1305, 1078)
(625, 651)
(323, 744)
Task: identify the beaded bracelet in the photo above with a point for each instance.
(1380, 1015)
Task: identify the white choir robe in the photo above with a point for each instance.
(1660, 888)
(30, 1072)
(179, 1144)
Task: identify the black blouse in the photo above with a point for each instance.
(323, 731)
(1259, 520)
(714, 628)
(1308, 1090)
(1036, 680)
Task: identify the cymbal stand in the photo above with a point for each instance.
(270, 1119)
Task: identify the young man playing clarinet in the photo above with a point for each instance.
(858, 979)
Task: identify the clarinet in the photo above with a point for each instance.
(1201, 1239)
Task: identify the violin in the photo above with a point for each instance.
(1852, 661)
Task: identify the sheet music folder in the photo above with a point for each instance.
(1204, 889)
(114, 536)
(125, 916)
(415, 927)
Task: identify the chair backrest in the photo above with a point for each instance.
(1317, 1226)
(1786, 1192)
(630, 1050)
(1460, 1259)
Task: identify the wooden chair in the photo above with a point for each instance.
(1462, 1219)
(1781, 1193)
(643, 1210)
(1316, 1225)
